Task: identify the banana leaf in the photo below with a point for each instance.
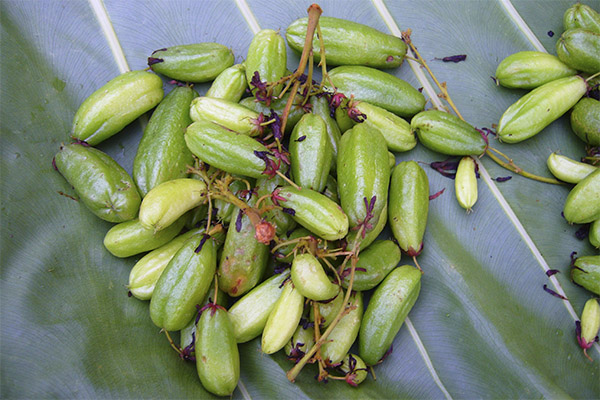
(483, 326)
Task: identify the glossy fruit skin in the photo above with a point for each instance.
(162, 154)
(590, 321)
(302, 340)
(249, 314)
(310, 278)
(359, 369)
(225, 209)
(165, 203)
(409, 206)
(580, 49)
(285, 254)
(349, 43)
(341, 117)
(345, 332)
(310, 153)
(581, 16)
(378, 88)
(199, 62)
(277, 105)
(447, 134)
(184, 283)
(320, 107)
(115, 105)
(586, 273)
(530, 69)
(585, 120)
(568, 170)
(594, 234)
(582, 205)
(267, 55)
(540, 107)
(217, 354)
(283, 222)
(386, 312)
(395, 130)
(372, 234)
(232, 152)
(465, 183)
(315, 212)
(377, 260)
(328, 310)
(130, 238)
(226, 113)
(101, 184)
(231, 84)
(283, 319)
(363, 174)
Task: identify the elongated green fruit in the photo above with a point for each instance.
(145, 273)
(580, 49)
(354, 368)
(373, 265)
(581, 16)
(162, 154)
(594, 234)
(586, 273)
(224, 208)
(232, 152)
(249, 314)
(465, 183)
(589, 325)
(363, 175)
(567, 169)
(184, 283)
(300, 343)
(231, 84)
(540, 107)
(342, 118)
(349, 43)
(311, 280)
(315, 212)
(199, 62)
(310, 153)
(345, 332)
(217, 354)
(226, 113)
(277, 105)
(378, 88)
(582, 204)
(267, 55)
(386, 312)
(283, 319)
(283, 222)
(396, 131)
(585, 120)
(530, 69)
(115, 105)
(409, 206)
(328, 310)
(102, 185)
(331, 190)
(320, 107)
(168, 201)
(130, 238)
(447, 134)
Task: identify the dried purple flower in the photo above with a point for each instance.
(446, 168)
(289, 211)
(156, 51)
(202, 241)
(503, 178)
(152, 61)
(582, 232)
(550, 33)
(553, 293)
(437, 194)
(551, 272)
(238, 221)
(455, 59)
(301, 138)
(54, 164)
(275, 126)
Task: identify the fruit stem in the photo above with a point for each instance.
(513, 168)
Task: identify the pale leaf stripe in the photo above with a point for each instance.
(248, 15)
(523, 27)
(109, 33)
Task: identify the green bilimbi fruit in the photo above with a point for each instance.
(226, 113)
(540, 107)
(354, 368)
(310, 153)
(244, 258)
(267, 55)
(345, 332)
(530, 69)
(594, 234)
(586, 273)
(588, 328)
(184, 283)
(349, 43)
(391, 160)
(217, 354)
(162, 154)
(199, 62)
(265, 185)
(396, 131)
(283, 319)
(567, 169)
(585, 120)
(409, 206)
(447, 134)
(310, 278)
(250, 313)
(331, 189)
(465, 183)
(342, 118)
(130, 238)
(581, 16)
(102, 185)
(285, 254)
(373, 265)
(230, 85)
(145, 273)
(301, 342)
(224, 208)
(315, 212)
(328, 310)
(378, 88)
(115, 105)
(320, 107)
(226, 150)
(580, 49)
(582, 205)
(165, 203)
(363, 175)
(277, 105)
(386, 312)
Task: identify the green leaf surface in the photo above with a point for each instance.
(483, 327)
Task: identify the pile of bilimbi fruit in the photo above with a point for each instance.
(260, 203)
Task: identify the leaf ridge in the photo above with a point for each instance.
(244, 391)
(248, 15)
(110, 34)
(522, 25)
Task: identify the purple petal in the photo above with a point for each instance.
(503, 178)
(551, 272)
(550, 33)
(455, 59)
(152, 60)
(553, 293)
(289, 211)
(238, 221)
(436, 195)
